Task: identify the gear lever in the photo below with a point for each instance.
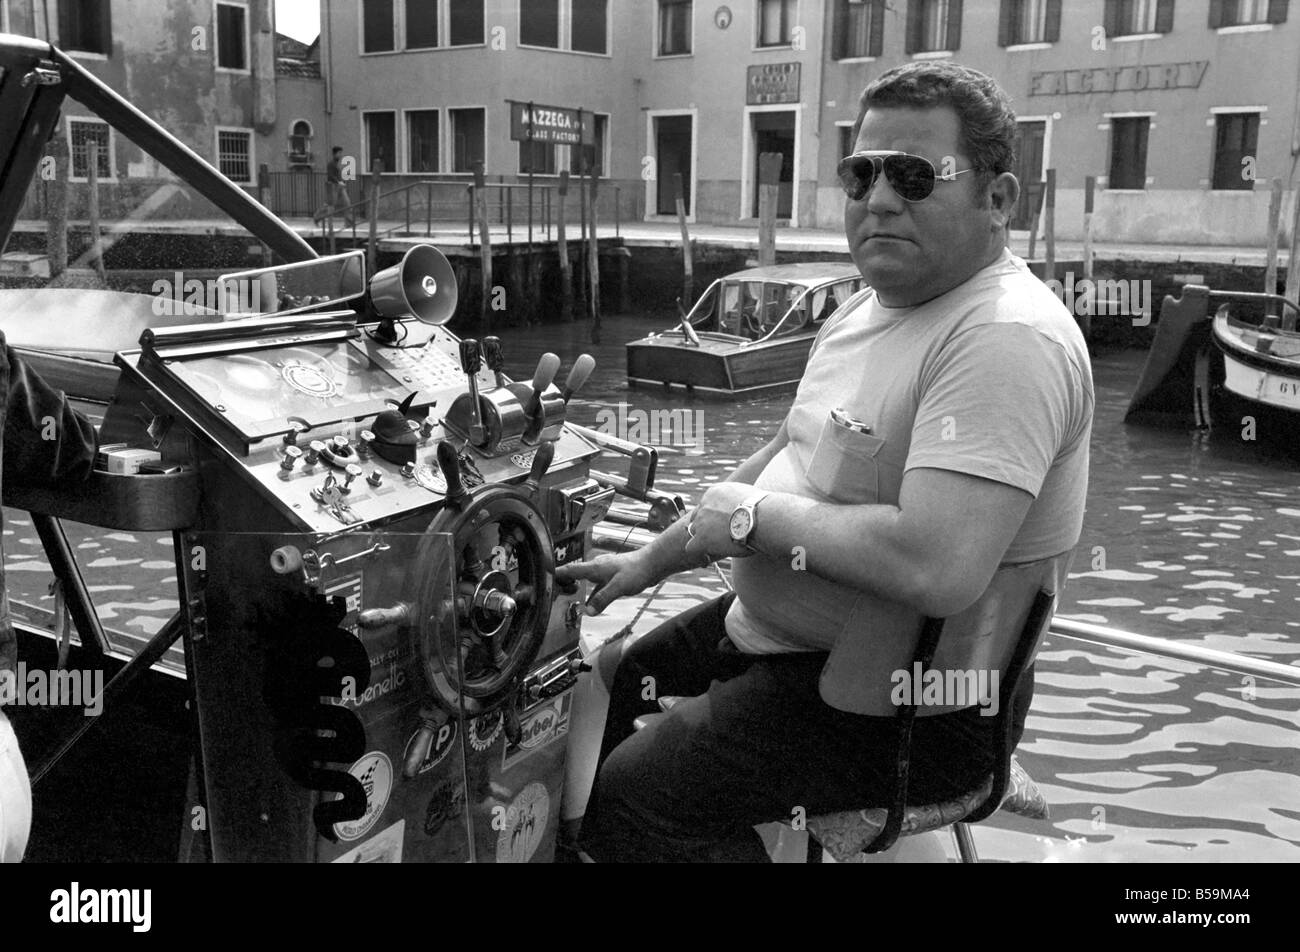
(496, 360)
(578, 374)
(471, 360)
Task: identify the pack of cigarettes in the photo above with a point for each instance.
(126, 461)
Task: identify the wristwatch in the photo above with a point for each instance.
(744, 520)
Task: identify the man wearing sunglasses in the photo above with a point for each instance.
(940, 432)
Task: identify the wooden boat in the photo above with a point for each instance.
(1261, 362)
(749, 332)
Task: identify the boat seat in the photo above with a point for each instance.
(848, 834)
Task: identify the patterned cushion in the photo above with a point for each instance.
(846, 834)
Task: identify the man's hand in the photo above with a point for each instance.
(709, 524)
(614, 576)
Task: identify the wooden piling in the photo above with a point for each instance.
(1049, 225)
(372, 243)
(92, 182)
(688, 250)
(1290, 319)
(593, 257)
(484, 247)
(562, 237)
(56, 232)
(769, 178)
(1271, 317)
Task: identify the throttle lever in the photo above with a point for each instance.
(471, 361)
(578, 374)
(542, 460)
(547, 367)
(495, 358)
(449, 463)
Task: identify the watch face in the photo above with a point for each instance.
(740, 524)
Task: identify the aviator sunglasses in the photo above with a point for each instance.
(911, 176)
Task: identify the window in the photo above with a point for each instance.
(846, 141)
(775, 20)
(84, 26)
(466, 22)
(421, 25)
(422, 140)
(580, 26)
(1029, 21)
(377, 26)
(595, 153)
(1244, 12)
(590, 29)
(858, 30)
(1128, 152)
(537, 157)
(539, 23)
(933, 25)
(235, 155)
(1138, 17)
(675, 27)
(1236, 136)
(83, 132)
(468, 138)
(381, 140)
(300, 143)
(232, 36)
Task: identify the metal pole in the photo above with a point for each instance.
(1210, 657)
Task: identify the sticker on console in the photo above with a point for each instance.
(485, 729)
(443, 742)
(375, 771)
(524, 825)
(385, 847)
(539, 727)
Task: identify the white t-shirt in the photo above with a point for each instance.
(991, 379)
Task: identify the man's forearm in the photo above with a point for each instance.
(859, 546)
(666, 555)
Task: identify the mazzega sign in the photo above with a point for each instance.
(550, 124)
(1117, 79)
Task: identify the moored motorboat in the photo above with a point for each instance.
(750, 332)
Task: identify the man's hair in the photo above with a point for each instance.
(988, 123)
(337, 148)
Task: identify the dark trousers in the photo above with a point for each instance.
(755, 743)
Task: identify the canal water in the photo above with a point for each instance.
(1187, 537)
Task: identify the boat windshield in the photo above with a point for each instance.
(754, 308)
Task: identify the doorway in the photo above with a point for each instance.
(674, 142)
(1031, 138)
(775, 132)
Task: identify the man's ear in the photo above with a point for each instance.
(1004, 192)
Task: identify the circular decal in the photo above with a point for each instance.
(447, 801)
(443, 742)
(485, 729)
(431, 478)
(524, 460)
(722, 18)
(375, 772)
(309, 380)
(525, 825)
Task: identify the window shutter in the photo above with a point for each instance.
(839, 27)
(1006, 12)
(1277, 11)
(1165, 16)
(106, 30)
(877, 43)
(954, 25)
(912, 38)
(1110, 18)
(1216, 14)
(1052, 28)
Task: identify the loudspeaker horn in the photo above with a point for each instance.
(422, 285)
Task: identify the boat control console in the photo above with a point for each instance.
(381, 660)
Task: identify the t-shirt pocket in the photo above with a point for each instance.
(844, 465)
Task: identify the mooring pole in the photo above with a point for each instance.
(1271, 317)
(484, 245)
(769, 191)
(56, 241)
(688, 251)
(92, 181)
(566, 267)
(1049, 221)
